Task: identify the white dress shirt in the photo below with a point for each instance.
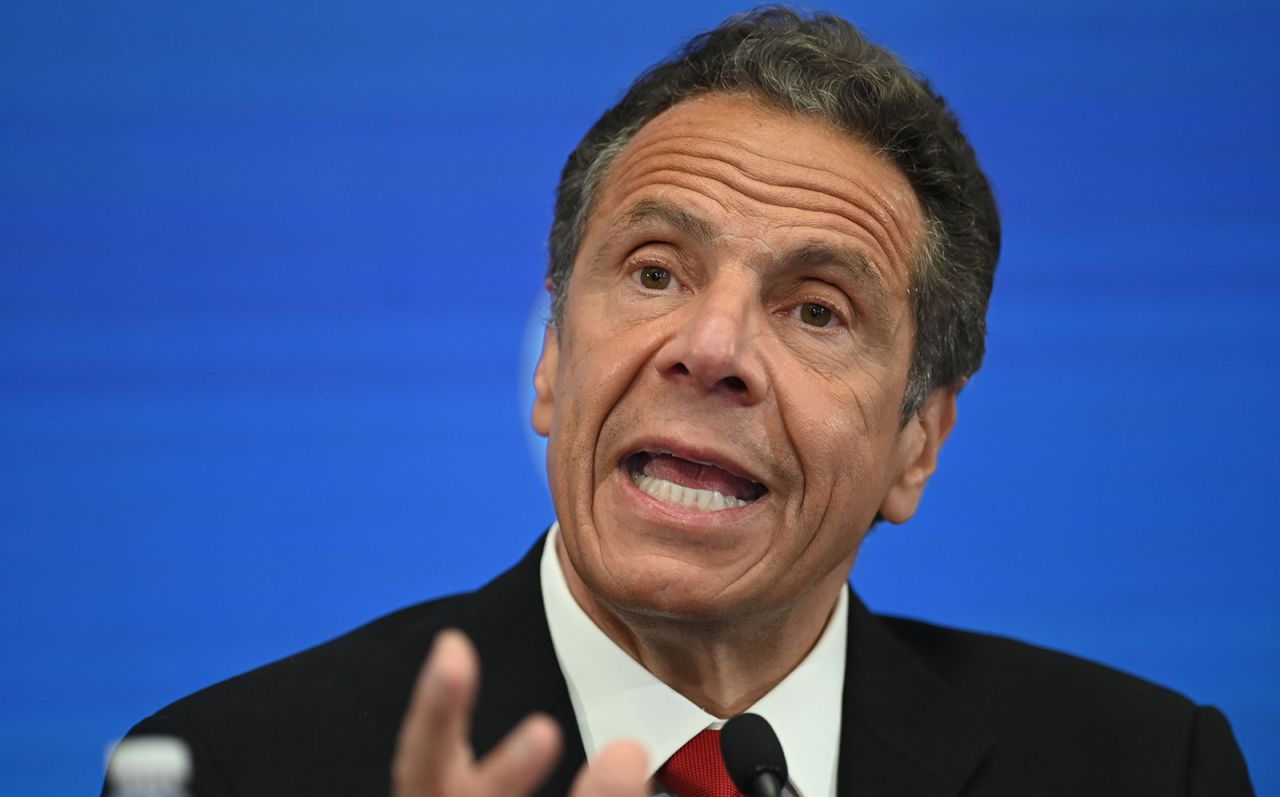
(614, 697)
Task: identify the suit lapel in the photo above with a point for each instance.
(520, 674)
(903, 731)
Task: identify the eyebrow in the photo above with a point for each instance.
(650, 210)
(852, 263)
(808, 256)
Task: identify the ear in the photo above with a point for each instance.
(917, 452)
(544, 382)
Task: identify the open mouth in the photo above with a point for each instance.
(683, 483)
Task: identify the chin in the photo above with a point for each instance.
(667, 589)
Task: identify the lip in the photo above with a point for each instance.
(693, 452)
(676, 517)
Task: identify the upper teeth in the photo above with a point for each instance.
(687, 497)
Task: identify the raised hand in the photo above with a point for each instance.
(434, 756)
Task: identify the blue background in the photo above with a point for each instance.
(269, 271)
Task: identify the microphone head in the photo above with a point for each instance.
(751, 748)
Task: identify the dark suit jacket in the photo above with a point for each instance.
(927, 711)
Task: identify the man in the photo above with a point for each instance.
(770, 265)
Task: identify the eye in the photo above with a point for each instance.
(816, 315)
(655, 278)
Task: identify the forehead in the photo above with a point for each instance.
(784, 179)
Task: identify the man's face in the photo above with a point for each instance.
(723, 397)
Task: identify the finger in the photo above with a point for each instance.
(619, 770)
(519, 764)
(433, 747)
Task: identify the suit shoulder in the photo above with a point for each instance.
(272, 728)
(388, 643)
(1074, 726)
(1001, 669)
(1034, 690)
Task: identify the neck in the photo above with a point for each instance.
(723, 665)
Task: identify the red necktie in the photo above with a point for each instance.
(697, 769)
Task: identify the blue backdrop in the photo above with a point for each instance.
(269, 271)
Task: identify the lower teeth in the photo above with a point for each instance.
(687, 497)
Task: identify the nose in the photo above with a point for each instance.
(715, 349)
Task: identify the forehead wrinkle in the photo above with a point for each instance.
(650, 209)
(886, 228)
(766, 175)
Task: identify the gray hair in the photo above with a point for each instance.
(823, 66)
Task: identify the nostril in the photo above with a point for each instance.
(729, 384)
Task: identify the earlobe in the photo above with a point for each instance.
(918, 445)
(544, 382)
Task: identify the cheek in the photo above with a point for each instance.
(823, 414)
(842, 491)
(598, 372)
(839, 437)
(840, 453)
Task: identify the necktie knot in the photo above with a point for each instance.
(697, 769)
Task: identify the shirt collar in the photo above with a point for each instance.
(614, 697)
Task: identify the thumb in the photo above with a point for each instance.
(618, 771)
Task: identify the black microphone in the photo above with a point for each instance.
(753, 756)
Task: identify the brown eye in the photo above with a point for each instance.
(815, 314)
(655, 278)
